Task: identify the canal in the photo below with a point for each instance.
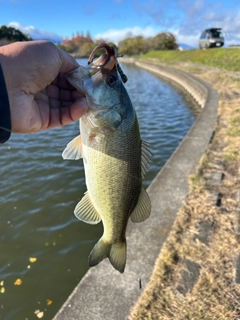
(43, 247)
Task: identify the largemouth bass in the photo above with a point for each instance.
(115, 158)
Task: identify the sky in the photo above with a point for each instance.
(114, 20)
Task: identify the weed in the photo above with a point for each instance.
(230, 156)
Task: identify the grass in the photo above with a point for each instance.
(222, 58)
(234, 130)
(231, 156)
(215, 295)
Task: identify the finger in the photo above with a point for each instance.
(55, 92)
(74, 112)
(52, 91)
(61, 82)
(78, 108)
(54, 118)
(68, 62)
(63, 98)
(75, 95)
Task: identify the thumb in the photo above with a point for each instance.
(68, 62)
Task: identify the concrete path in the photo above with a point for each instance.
(104, 293)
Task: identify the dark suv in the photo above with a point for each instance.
(211, 38)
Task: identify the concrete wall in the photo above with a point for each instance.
(195, 87)
(105, 294)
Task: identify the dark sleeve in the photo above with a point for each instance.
(5, 116)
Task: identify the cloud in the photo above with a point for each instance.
(190, 40)
(189, 18)
(229, 21)
(89, 7)
(115, 35)
(36, 34)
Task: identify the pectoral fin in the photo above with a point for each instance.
(143, 208)
(86, 212)
(73, 150)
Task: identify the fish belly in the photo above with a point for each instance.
(113, 181)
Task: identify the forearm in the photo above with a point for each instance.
(5, 116)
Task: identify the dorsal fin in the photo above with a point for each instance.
(145, 157)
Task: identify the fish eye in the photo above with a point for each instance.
(111, 80)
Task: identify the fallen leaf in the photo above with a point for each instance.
(18, 282)
(40, 314)
(49, 302)
(2, 283)
(2, 290)
(32, 260)
(29, 266)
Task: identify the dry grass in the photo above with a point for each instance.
(215, 294)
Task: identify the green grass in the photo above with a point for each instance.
(231, 156)
(223, 58)
(234, 124)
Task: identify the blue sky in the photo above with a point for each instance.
(114, 20)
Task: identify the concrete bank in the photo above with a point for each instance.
(104, 293)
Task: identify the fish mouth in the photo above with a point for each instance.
(106, 63)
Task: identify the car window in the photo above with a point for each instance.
(220, 35)
(217, 34)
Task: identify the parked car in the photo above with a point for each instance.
(211, 38)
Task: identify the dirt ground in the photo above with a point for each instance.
(197, 274)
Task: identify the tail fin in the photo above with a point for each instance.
(116, 252)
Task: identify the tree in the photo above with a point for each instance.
(140, 45)
(81, 46)
(86, 48)
(132, 46)
(164, 41)
(10, 34)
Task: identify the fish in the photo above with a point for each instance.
(115, 157)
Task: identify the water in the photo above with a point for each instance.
(38, 193)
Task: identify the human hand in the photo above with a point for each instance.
(39, 95)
